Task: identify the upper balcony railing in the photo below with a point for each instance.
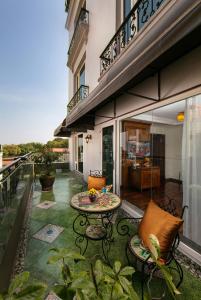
(82, 19)
(138, 16)
(81, 94)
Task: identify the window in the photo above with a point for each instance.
(80, 78)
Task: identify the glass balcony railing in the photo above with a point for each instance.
(15, 185)
(81, 94)
(136, 19)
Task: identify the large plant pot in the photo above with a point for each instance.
(46, 182)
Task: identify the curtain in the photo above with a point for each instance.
(191, 168)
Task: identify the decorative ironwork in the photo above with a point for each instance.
(81, 94)
(96, 173)
(102, 221)
(138, 16)
(83, 18)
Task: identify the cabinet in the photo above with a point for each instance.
(145, 178)
(135, 146)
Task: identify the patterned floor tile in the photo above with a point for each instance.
(52, 296)
(46, 204)
(48, 233)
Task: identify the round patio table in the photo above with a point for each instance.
(94, 220)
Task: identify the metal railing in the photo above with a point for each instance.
(138, 16)
(81, 94)
(83, 18)
(15, 187)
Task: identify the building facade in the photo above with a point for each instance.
(134, 103)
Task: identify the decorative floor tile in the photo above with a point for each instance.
(46, 204)
(48, 233)
(52, 296)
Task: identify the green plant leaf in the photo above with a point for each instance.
(127, 271)
(63, 292)
(18, 282)
(108, 279)
(32, 292)
(155, 247)
(82, 283)
(125, 283)
(66, 273)
(117, 292)
(117, 266)
(1, 297)
(64, 253)
(169, 281)
(108, 271)
(98, 270)
(127, 286)
(54, 259)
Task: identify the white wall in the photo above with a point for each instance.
(102, 22)
(173, 148)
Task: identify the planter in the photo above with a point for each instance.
(46, 182)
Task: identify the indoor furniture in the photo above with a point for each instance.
(144, 178)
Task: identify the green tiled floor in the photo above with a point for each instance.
(66, 185)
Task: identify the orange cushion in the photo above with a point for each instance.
(160, 223)
(96, 182)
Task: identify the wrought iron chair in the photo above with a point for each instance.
(146, 262)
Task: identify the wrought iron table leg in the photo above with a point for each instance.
(82, 221)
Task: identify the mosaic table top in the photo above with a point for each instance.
(103, 202)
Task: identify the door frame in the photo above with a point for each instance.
(109, 124)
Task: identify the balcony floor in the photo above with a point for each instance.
(61, 214)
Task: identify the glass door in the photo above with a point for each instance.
(107, 156)
(80, 153)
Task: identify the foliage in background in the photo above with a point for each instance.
(21, 149)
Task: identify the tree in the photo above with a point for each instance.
(11, 150)
(58, 143)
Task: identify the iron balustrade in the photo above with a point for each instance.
(83, 18)
(81, 94)
(15, 185)
(138, 16)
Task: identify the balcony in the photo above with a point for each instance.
(80, 95)
(16, 182)
(79, 37)
(140, 14)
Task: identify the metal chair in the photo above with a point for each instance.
(146, 261)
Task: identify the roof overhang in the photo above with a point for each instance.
(176, 33)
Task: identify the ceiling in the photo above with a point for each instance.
(166, 114)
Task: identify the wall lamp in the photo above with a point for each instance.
(88, 137)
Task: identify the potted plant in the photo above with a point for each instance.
(45, 158)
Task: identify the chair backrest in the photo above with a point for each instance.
(96, 180)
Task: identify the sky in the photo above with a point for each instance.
(33, 72)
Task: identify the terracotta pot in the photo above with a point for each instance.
(46, 182)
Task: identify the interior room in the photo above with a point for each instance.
(151, 156)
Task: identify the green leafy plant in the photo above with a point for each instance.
(156, 256)
(21, 289)
(99, 282)
(45, 158)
